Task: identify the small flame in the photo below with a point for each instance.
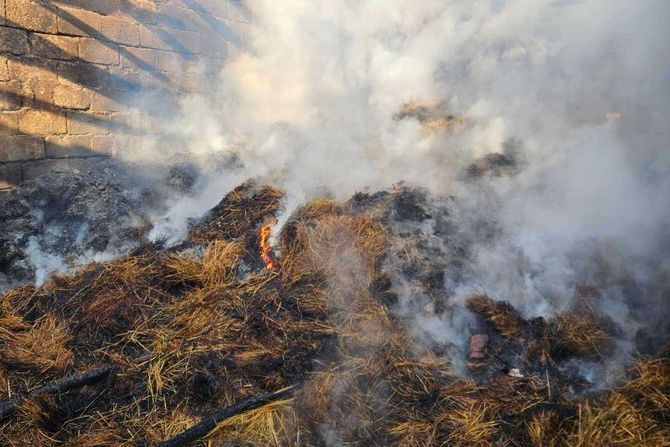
(266, 231)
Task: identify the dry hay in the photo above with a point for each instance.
(196, 328)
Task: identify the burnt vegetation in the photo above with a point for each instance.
(187, 331)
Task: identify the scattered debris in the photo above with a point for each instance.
(478, 346)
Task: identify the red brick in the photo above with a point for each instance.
(14, 41)
(32, 15)
(21, 147)
(54, 47)
(94, 51)
(42, 122)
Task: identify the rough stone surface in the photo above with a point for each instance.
(14, 41)
(95, 51)
(11, 97)
(42, 122)
(69, 97)
(21, 147)
(102, 71)
(32, 15)
(54, 47)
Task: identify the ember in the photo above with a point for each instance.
(265, 233)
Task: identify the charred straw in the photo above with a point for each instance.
(61, 386)
(210, 422)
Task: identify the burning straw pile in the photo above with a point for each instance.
(137, 351)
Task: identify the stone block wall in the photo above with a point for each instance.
(71, 72)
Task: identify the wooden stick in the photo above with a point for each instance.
(210, 422)
(66, 384)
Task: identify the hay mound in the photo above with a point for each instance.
(195, 328)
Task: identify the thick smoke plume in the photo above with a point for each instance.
(573, 94)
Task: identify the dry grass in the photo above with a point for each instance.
(199, 327)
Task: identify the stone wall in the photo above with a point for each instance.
(71, 73)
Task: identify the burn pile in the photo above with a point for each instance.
(173, 335)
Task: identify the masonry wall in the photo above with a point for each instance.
(71, 73)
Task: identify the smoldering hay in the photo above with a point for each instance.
(442, 169)
(573, 91)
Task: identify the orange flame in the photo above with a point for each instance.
(266, 230)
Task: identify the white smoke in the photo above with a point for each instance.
(583, 85)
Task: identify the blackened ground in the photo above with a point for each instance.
(64, 214)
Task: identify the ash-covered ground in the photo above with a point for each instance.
(65, 219)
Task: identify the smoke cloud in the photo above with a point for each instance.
(574, 92)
